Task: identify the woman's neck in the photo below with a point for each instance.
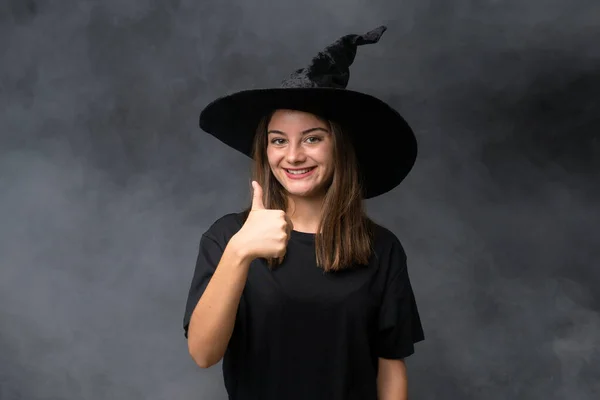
(305, 213)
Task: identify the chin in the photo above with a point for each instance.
(309, 191)
(295, 191)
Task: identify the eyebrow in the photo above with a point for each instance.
(303, 132)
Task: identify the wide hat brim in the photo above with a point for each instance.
(385, 145)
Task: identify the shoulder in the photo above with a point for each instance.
(224, 227)
(387, 247)
(384, 238)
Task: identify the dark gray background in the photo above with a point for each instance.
(106, 184)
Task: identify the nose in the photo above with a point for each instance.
(295, 154)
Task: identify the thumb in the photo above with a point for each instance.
(257, 202)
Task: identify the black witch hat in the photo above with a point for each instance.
(385, 145)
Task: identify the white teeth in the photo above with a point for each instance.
(299, 172)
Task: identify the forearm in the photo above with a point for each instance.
(392, 383)
(213, 319)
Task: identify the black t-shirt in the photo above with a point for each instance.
(301, 333)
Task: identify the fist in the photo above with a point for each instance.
(266, 233)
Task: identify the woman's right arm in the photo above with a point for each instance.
(212, 321)
(264, 234)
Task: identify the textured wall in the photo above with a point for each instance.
(106, 184)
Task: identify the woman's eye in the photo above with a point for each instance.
(312, 139)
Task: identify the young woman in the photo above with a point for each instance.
(302, 295)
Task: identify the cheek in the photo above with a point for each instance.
(269, 153)
(326, 156)
(272, 157)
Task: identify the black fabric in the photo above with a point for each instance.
(331, 67)
(320, 88)
(303, 334)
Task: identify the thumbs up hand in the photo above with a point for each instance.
(265, 233)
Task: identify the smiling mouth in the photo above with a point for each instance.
(299, 171)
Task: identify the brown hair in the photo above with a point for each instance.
(345, 235)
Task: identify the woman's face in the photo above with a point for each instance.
(300, 152)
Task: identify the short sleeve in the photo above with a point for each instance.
(209, 256)
(399, 321)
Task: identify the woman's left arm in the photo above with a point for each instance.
(392, 380)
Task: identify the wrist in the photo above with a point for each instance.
(239, 250)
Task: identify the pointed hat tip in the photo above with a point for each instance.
(379, 29)
(373, 36)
